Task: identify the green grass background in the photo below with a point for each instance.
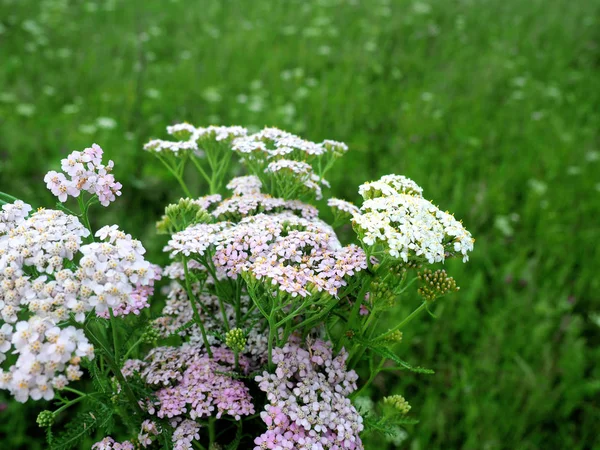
(493, 106)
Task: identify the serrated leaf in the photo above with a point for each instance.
(233, 445)
(381, 350)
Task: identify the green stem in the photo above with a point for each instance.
(211, 432)
(135, 344)
(67, 405)
(74, 391)
(414, 314)
(192, 299)
(200, 169)
(372, 376)
(113, 329)
(177, 176)
(272, 332)
(83, 207)
(114, 368)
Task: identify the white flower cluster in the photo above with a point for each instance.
(191, 139)
(218, 133)
(288, 158)
(87, 173)
(273, 143)
(113, 271)
(47, 276)
(390, 185)
(174, 147)
(245, 185)
(11, 214)
(48, 358)
(395, 215)
(342, 206)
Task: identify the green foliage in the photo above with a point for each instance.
(380, 348)
(81, 426)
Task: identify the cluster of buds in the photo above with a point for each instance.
(382, 294)
(398, 403)
(435, 284)
(235, 340)
(45, 419)
(182, 214)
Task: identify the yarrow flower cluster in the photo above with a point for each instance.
(115, 275)
(48, 275)
(86, 173)
(308, 407)
(396, 216)
(298, 255)
(190, 383)
(288, 159)
(251, 272)
(109, 443)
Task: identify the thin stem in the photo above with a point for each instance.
(200, 169)
(71, 403)
(74, 391)
(135, 344)
(412, 315)
(272, 331)
(113, 329)
(192, 299)
(372, 376)
(211, 431)
(176, 175)
(84, 215)
(114, 368)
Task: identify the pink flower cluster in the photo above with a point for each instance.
(192, 384)
(308, 406)
(86, 173)
(109, 443)
(297, 255)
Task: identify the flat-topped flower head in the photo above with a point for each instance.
(181, 131)
(192, 385)
(11, 214)
(84, 172)
(308, 406)
(342, 207)
(176, 148)
(273, 143)
(247, 185)
(218, 133)
(406, 226)
(390, 185)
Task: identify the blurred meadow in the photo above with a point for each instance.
(492, 106)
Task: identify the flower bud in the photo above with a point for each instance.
(45, 419)
(397, 402)
(435, 284)
(235, 340)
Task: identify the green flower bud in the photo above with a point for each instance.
(182, 214)
(150, 335)
(435, 284)
(45, 419)
(397, 402)
(235, 340)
